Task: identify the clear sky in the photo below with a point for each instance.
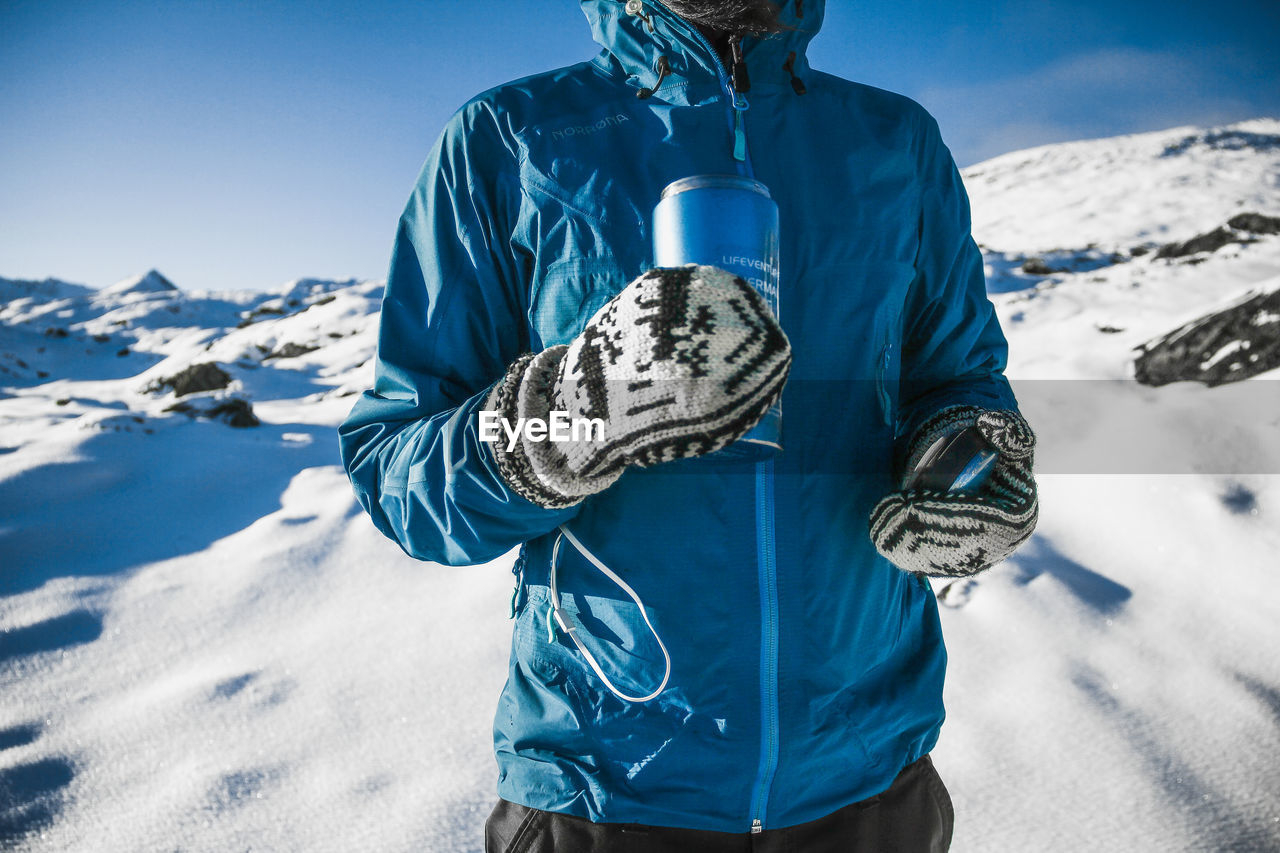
(237, 144)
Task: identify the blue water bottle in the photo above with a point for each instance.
(730, 222)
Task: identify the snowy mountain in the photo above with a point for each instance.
(205, 645)
(1139, 190)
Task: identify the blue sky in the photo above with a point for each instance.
(241, 144)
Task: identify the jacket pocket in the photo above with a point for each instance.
(569, 295)
(615, 632)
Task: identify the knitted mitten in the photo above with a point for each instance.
(682, 362)
(953, 534)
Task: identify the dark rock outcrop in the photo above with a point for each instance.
(1210, 242)
(205, 376)
(234, 412)
(1226, 346)
(1237, 230)
(290, 350)
(1224, 140)
(1255, 223)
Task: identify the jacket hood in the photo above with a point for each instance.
(634, 42)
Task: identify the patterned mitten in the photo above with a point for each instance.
(682, 362)
(954, 534)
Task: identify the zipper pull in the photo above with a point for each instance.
(886, 404)
(518, 571)
(551, 628)
(756, 826)
(741, 81)
(740, 106)
(515, 593)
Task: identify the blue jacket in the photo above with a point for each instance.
(806, 669)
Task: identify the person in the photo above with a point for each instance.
(708, 653)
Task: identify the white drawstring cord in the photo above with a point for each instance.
(573, 632)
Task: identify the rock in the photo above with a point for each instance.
(150, 282)
(205, 376)
(1036, 266)
(958, 593)
(1224, 140)
(1210, 242)
(1240, 499)
(290, 350)
(1228, 345)
(257, 313)
(1255, 223)
(234, 412)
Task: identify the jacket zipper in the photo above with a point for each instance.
(736, 100)
(765, 550)
(764, 525)
(768, 644)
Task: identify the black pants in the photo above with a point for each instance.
(913, 816)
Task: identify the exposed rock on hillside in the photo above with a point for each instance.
(1255, 223)
(1237, 230)
(290, 350)
(205, 376)
(1228, 345)
(233, 411)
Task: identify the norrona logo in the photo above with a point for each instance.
(583, 129)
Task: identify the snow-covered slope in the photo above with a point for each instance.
(1113, 685)
(205, 645)
(1126, 191)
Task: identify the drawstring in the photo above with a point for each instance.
(741, 82)
(790, 67)
(554, 612)
(664, 68)
(740, 79)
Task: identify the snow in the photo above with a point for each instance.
(1129, 190)
(148, 283)
(205, 645)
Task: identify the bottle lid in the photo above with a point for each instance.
(718, 182)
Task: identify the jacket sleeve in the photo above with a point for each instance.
(954, 352)
(453, 318)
